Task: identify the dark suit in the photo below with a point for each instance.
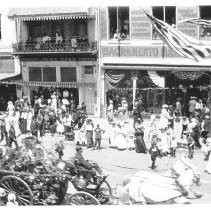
(139, 109)
(84, 164)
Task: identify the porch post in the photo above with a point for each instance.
(134, 88)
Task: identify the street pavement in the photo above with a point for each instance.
(117, 164)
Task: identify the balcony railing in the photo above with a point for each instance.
(48, 46)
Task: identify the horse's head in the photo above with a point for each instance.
(184, 168)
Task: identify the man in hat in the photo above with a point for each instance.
(83, 164)
(192, 105)
(140, 108)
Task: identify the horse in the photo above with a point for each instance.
(173, 186)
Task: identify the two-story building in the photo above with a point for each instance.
(135, 62)
(9, 67)
(57, 50)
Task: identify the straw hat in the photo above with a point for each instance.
(165, 106)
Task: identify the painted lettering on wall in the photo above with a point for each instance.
(138, 51)
(185, 13)
(140, 25)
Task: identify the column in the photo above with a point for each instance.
(134, 88)
(103, 100)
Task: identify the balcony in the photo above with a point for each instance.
(50, 46)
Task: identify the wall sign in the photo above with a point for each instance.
(140, 25)
(88, 58)
(138, 51)
(185, 13)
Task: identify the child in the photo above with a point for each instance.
(59, 149)
(191, 144)
(77, 136)
(34, 127)
(173, 147)
(153, 151)
(98, 131)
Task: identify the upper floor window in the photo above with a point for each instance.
(166, 14)
(118, 22)
(205, 13)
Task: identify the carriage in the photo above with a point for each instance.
(33, 189)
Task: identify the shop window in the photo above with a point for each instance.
(68, 74)
(166, 14)
(88, 70)
(49, 74)
(205, 13)
(118, 22)
(35, 74)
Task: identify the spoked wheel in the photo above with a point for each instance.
(105, 193)
(20, 188)
(83, 198)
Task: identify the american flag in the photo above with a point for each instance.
(197, 21)
(181, 43)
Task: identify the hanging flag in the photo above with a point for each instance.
(182, 44)
(197, 21)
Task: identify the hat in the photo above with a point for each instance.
(165, 106)
(78, 148)
(139, 119)
(179, 99)
(2, 192)
(9, 102)
(207, 117)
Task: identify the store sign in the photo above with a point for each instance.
(59, 59)
(186, 13)
(137, 51)
(140, 25)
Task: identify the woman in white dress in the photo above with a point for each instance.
(60, 125)
(112, 136)
(121, 137)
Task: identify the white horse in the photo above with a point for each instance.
(150, 188)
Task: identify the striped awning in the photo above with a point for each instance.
(59, 84)
(32, 14)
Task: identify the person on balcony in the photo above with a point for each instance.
(29, 43)
(74, 41)
(59, 40)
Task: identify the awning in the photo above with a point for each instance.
(10, 78)
(51, 13)
(59, 84)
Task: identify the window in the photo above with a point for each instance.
(88, 70)
(167, 14)
(118, 22)
(49, 74)
(35, 74)
(68, 74)
(205, 13)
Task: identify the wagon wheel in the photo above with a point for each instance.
(105, 193)
(83, 198)
(13, 184)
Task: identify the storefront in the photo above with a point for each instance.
(152, 76)
(9, 78)
(59, 73)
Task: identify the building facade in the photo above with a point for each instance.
(135, 62)
(57, 49)
(9, 67)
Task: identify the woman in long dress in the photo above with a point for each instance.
(120, 138)
(89, 133)
(140, 146)
(112, 136)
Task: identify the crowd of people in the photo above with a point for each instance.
(44, 116)
(166, 130)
